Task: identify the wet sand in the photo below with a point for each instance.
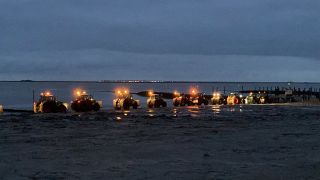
(241, 142)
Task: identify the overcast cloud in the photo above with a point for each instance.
(218, 40)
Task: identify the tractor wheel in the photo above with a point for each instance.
(164, 104)
(62, 109)
(96, 107)
(156, 104)
(150, 105)
(117, 106)
(236, 101)
(49, 107)
(126, 105)
(135, 105)
(74, 107)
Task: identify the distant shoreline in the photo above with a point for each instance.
(153, 81)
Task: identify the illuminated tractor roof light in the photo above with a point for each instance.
(176, 93)
(47, 93)
(150, 93)
(78, 93)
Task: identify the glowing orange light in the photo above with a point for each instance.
(150, 93)
(121, 91)
(193, 92)
(176, 93)
(79, 92)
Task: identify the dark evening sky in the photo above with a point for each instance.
(208, 40)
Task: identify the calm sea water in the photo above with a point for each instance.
(19, 94)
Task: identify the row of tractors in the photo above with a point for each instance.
(83, 102)
(218, 99)
(124, 100)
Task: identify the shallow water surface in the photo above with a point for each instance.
(213, 142)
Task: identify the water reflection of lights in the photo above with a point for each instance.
(194, 110)
(126, 113)
(175, 112)
(236, 109)
(118, 118)
(241, 109)
(216, 109)
(151, 112)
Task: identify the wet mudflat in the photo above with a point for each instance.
(241, 142)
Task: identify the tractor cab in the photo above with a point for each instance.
(85, 97)
(120, 94)
(46, 96)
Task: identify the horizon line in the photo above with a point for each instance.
(157, 81)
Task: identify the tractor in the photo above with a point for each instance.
(198, 99)
(263, 98)
(251, 99)
(156, 101)
(85, 102)
(234, 99)
(218, 99)
(48, 103)
(181, 100)
(124, 101)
